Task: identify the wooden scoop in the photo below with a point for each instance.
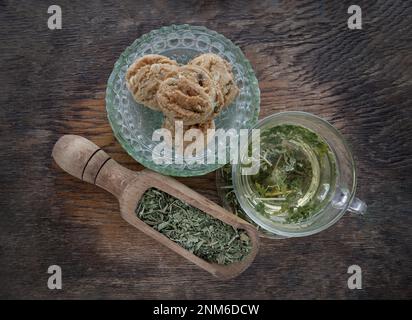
(86, 161)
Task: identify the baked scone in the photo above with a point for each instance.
(182, 98)
(145, 75)
(221, 72)
(202, 127)
(204, 79)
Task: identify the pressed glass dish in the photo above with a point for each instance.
(133, 124)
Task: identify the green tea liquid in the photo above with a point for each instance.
(296, 176)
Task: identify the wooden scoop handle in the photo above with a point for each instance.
(88, 162)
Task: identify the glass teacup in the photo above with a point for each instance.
(341, 193)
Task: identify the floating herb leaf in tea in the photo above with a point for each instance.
(196, 231)
(297, 171)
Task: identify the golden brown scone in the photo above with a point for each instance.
(203, 78)
(145, 75)
(148, 59)
(203, 127)
(181, 98)
(147, 80)
(221, 72)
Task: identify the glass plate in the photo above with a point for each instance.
(133, 124)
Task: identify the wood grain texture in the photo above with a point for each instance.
(305, 58)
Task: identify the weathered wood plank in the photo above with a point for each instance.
(53, 83)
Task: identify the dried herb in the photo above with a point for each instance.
(196, 231)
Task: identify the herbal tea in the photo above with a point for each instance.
(196, 231)
(296, 176)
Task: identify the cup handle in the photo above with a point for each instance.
(357, 206)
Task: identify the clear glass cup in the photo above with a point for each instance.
(341, 196)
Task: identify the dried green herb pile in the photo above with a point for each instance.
(196, 231)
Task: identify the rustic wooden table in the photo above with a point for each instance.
(305, 57)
